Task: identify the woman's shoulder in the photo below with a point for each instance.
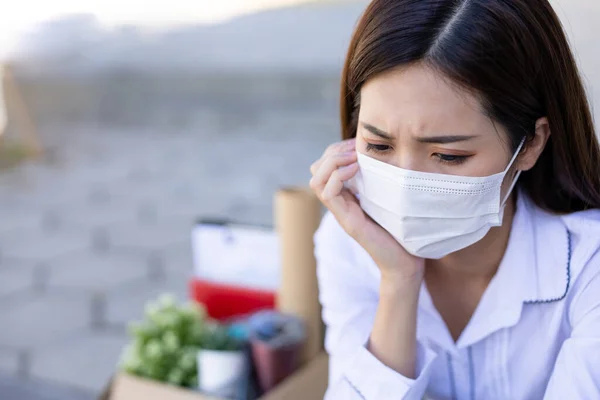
(584, 228)
(584, 221)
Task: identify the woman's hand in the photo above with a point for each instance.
(337, 165)
(393, 336)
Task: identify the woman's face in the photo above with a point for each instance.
(413, 119)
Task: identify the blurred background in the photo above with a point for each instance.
(125, 122)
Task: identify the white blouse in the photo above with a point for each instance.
(534, 335)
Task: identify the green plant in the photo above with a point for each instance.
(12, 153)
(164, 346)
(218, 337)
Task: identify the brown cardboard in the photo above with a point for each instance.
(297, 217)
(127, 387)
(309, 383)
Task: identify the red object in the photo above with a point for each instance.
(226, 301)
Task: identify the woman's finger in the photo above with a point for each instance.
(320, 178)
(339, 147)
(341, 207)
(315, 166)
(336, 181)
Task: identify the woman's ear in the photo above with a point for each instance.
(535, 146)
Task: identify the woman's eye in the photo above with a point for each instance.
(377, 148)
(451, 158)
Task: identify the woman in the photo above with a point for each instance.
(460, 258)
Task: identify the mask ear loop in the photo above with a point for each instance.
(516, 178)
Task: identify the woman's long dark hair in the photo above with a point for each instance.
(514, 55)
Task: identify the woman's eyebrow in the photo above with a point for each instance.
(440, 139)
(377, 131)
(444, 139)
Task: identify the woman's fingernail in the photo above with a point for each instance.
(350, 166)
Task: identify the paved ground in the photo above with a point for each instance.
(88, 237)
(19, 389)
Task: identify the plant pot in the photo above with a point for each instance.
(221, 372)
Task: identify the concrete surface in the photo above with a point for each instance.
(101, 225)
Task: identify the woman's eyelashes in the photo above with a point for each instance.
(452, 159)
(378, 148)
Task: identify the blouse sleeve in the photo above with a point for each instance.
(576, 374)
(349, 297)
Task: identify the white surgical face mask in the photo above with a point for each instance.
(430, 215)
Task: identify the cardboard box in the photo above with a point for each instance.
(297, 215)
(308, 383)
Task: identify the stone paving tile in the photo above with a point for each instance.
(86, 362)
(14, 388)
(20, 219)
(57, 187)
(47, 194)
(74, 183)
(154, 236)
(190, 207)
(9, 361)
(122, 202)
(16, 279)
(174, 259)
(126, 303)
(96, 273)
(34, 245)
(252, 213)
(47, 221)
(41, 320)
(123, 193)
(168, 198)
(88, 217)
(178, 259)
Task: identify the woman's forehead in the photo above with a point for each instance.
(419, 100)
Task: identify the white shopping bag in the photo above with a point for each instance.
(236, 254)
